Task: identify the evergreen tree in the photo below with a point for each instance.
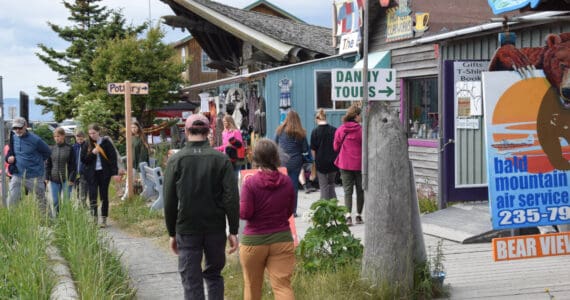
(92, 25)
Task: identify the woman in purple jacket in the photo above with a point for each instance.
(266, 203)
(348, 144)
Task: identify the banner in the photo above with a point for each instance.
(349, 15)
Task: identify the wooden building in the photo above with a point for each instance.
(447, 150)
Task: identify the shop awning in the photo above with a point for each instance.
(378, 59)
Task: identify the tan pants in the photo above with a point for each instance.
(278, 258)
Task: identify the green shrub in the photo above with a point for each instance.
(328, 243)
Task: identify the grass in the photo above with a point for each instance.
(96, 270)
(21, 239)
(134, 216)
(25, 269)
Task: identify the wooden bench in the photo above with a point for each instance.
(151, 179)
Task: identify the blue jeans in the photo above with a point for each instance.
(294, 176)
(191, 249)
(57, 191)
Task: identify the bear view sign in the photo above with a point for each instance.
(527, 117)
(347, 84)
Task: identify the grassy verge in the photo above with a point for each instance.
(96, 270)
(24, 267)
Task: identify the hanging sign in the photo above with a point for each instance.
(347, 84)
(502, 6)
(398, 27)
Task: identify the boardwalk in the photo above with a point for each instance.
(471, 272)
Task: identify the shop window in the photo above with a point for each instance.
(423, 118)
(323, 92)
(204, 61)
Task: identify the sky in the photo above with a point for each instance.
(23, 25)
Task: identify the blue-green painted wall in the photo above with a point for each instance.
(303, 93)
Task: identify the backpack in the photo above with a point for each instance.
(235, 151)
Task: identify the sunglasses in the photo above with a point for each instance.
(17, 128)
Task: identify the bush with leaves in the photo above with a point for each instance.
(328, 243)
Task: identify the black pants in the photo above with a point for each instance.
(191, 249)
(99, 184)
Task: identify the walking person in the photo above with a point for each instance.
(140, 151)
(348, 144)
(200, 192)
(60, 168)
(266, 203)
(292, 138)
(80, 182)
(322, 139)
(231, 138)
(28, 153)
(100, 159)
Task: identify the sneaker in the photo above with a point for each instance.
(349, 221)
(359, 220)
(103, 222)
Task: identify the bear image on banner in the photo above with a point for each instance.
(553, 119)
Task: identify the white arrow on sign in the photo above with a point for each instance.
(118, 88)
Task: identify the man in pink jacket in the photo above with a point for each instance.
(348, 144)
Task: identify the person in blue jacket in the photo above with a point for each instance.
(28, 153)
(292, 139)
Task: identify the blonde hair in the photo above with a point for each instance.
(292, 126)
(352, 112)
(321, 115)
(231, 122)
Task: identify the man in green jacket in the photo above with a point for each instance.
(200, 191)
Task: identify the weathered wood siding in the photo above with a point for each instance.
(411, 62)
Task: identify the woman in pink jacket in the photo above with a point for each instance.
(348, 144)
(230, 131)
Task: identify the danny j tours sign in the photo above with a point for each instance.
(347, 84)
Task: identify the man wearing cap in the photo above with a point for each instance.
(29, 155)
(200, 192)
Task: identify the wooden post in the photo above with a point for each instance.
(129, 138)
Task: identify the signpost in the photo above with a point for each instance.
(347, 84)
(127, 88)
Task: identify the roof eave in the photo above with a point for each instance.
(275, 48)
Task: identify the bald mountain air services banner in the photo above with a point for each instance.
(523, 151)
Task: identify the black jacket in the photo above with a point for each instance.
(90, 160)
(61, 165)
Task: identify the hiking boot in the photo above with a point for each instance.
(103, 222)
(349, 221)
(359, 220)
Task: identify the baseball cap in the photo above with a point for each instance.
(197, 117)
(19, 122)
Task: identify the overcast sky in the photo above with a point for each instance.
(23, 25)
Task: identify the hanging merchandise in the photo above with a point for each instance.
(259, 124)
(252, 102)
(285, 85)
(235, 98)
